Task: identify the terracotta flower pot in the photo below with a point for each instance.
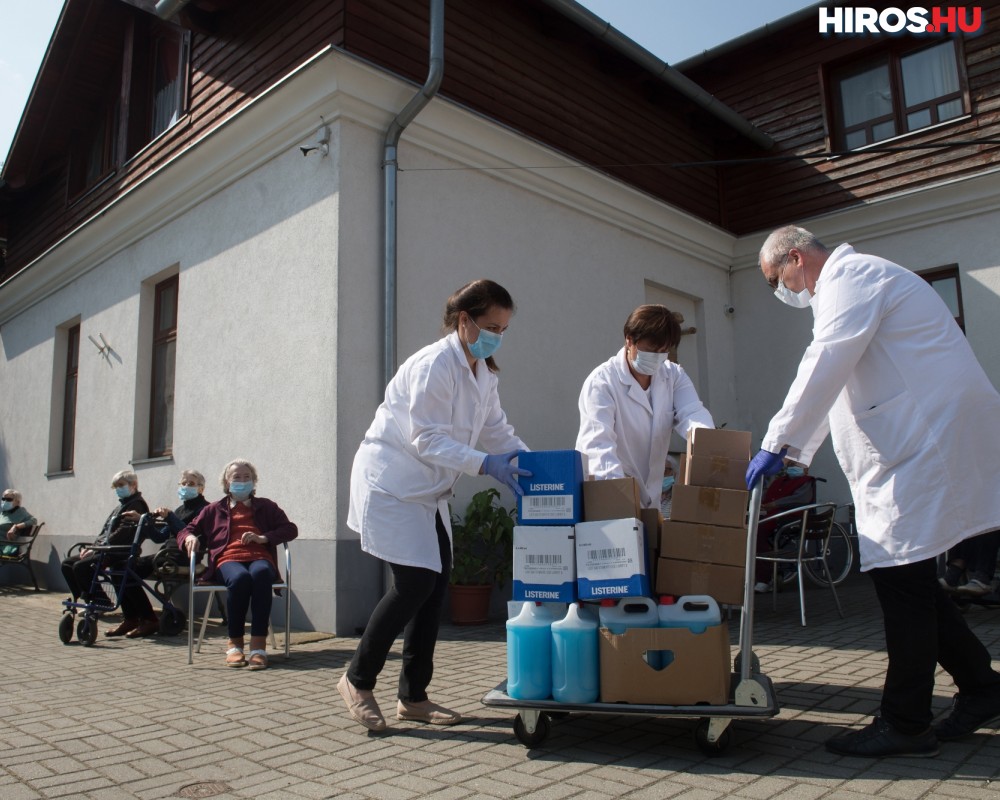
(470, 605)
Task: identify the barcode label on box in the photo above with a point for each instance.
(606, 554)
(547, 506)
(543, 558)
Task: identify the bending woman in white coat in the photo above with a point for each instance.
(440, 404)
(630, 404)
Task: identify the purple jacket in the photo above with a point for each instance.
(211, 527)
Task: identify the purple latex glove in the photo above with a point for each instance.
(765, 463)
(501, 469)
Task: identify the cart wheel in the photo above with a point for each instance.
(540, 734)
(86, 630)
(711, 749)
(66, 628)
(172, 621)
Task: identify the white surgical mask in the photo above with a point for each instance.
(647, 363)
(790, 298)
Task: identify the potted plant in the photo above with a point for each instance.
(482, 556)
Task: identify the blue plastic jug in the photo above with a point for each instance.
(629, 612)
(529, 653)
(575, 661)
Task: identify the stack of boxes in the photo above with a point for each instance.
(703, 546)
(590, 540)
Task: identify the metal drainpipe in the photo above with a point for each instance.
(435, 73)
(165, 9)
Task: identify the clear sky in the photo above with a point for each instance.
(671, 29)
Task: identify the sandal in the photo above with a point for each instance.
(235, 657)
(258, 659)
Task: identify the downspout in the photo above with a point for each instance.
(620, 42)
(165, 9)
(435, 73)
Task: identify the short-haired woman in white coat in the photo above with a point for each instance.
(441, 403)
(632, 402)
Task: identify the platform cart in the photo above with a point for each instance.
(751, 693)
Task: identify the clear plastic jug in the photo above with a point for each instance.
(575, 661)
(628, 612)
(529, 653)
(693, 611)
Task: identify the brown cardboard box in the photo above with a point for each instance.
(699, 672)
(710, 544)
(722, 473)
(719, 442)
(652, 521)
(710, 506)
(615, 498)
(681, 476)
(721, 581)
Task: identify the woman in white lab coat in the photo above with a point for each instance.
(632, 402)
(440, 404)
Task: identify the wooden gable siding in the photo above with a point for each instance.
(250, 51)
(524, 65)
(777, 86)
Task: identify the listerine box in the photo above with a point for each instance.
(544, 563)
(552, 495)
(611, 559)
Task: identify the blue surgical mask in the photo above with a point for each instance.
(187, 492)
(647, 363)
(487, 343)
(240, 490)
(790, 298)
(794, 472)
(668, 483)
(7, 505)
(123, 491)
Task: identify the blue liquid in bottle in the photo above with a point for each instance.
(529, 654)
(575, 661)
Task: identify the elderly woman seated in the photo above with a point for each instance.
(241, 532)
(15, 521)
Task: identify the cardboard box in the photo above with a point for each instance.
(544, 563)
(720, 443)
(711, 544)
(716, 471)
(652, 523)
(709, 506)
(682, 470)
(698, 672)
(552, 495)
(613, 498)
(611, 559)
(721, 581)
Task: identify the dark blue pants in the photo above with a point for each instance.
(412, 606)
(249, 585)
(924, 628)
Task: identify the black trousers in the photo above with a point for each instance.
(923, 628)
(412, 606)
(135, 602)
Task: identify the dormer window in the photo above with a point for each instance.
(896, 93)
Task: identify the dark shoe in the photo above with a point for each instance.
(969, 713)
(880, 739)
(126, 626)
(145, 628)
(952, 578)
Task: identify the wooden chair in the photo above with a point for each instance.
(801, 538)
(23, 554)
(214, 589)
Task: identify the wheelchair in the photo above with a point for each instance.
(115, 571)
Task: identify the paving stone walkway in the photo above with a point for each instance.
(130, 719)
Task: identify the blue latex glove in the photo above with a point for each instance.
(765, 463)
(503, 471)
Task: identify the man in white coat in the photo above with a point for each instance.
(915, 424)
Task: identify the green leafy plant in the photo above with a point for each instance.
(483, 541)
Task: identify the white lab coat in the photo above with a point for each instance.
(625, 429)
(914, 420)
(422, 439)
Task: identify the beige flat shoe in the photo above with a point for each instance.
(426, 711)
(361, 705)
(258, 659)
